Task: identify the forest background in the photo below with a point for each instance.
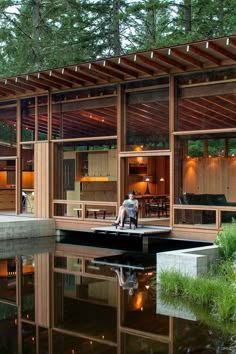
(41, 34)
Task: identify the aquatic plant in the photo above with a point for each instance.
(216, 294)
(226, 240)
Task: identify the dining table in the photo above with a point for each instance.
(145, 199)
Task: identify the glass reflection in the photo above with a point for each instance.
(8, 279)
(27, 288)
(86, 305)
(8, 329)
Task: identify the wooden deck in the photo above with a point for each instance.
(146, 233)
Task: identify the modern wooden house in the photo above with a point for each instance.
(75, 140)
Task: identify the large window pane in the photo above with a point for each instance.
(8, 128)
(204, 106)
(80, 114)
(85, 171)
(147, 120)
(28, 119)
(8, 279)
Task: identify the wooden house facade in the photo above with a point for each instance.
(162, 123)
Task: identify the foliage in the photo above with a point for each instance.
(226, 240)
(218, 295)
(216, 289)
(40, 34)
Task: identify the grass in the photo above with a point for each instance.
(215, 290)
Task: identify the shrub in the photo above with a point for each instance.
(226, 240)
(172, 282)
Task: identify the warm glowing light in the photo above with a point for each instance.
(91, 342)
(103, 337)
(141, 308)
(162, 179)
(147, 286)
(139, 159)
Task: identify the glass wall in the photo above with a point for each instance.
(27, 288)
(147, 117)
(205, 163)
(86, 305)
(86, 113)
(8, 128)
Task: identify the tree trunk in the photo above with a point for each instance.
(35, 33)
(116, 27)
(188, 15)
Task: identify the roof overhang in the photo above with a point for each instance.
(172, 60)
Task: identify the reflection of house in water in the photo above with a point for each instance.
(69, 300)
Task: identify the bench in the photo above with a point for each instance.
(95, 212)
(79, 212)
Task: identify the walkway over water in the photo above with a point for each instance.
(147, 233)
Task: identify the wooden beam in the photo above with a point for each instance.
(223, 51)
(152, 63)
(78, 75)
(137, 66)
(185, 57)
(204, 55)
(168, 60)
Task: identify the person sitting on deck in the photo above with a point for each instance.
(128, 208)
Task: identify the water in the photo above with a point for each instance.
(89, 312)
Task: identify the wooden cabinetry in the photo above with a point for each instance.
(94, 164)
(7, 199)
(98, 164)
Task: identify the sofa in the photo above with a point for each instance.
(207, 216)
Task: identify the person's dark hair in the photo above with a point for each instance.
(131, 192)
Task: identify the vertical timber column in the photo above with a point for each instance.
(172, 105)
(41, 180)
(120, 142)
(18, 157)
(42, 290)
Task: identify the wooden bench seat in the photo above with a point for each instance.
(95, 212)
(79, 212)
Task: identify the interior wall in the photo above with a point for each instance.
(213, 175)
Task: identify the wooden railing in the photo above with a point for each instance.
(84, 210)
(202, 216)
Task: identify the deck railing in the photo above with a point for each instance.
(84, 210)
(202, 216)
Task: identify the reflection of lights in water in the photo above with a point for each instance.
(139, 300)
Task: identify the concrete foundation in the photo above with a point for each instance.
(14, 227)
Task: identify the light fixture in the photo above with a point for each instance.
(147, 179)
